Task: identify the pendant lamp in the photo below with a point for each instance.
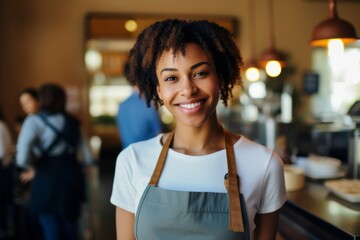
(333, 28)
(272, 59)
(252, 72)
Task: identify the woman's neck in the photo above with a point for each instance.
(199, 141)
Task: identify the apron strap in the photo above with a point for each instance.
(232, 182)
(232, 185)
(160, 163)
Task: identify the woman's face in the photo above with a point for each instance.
(188, 85)
(28, 103)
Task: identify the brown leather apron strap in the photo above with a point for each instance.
(232, 183)
(160, 163)
(235, 215)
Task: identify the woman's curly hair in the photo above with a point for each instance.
(174, 34)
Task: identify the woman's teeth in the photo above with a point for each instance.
(190, 105)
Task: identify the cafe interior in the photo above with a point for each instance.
(301, 93)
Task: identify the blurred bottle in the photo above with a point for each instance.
(354, 155)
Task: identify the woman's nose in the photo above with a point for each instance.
(188, 88)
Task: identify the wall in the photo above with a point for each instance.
(42, 41)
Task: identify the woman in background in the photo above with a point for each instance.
(29, 226)
(29, 102)
(57, 181)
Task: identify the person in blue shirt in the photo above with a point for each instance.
(136, 121)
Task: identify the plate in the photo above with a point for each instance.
(324, 176)
(320, 167)
(346, 189)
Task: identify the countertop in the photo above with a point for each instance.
(316, 209)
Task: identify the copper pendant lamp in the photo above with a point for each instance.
(333, 28)
(272, 59)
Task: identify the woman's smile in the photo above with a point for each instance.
(192, 107)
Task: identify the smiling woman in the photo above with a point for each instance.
(212, 184)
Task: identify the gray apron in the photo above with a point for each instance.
(174, 215)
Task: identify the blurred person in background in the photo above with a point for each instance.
(57, 176)
(135, 121)
(6, 179)
(29, 227)
(29, 100)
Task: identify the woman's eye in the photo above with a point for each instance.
(170, 78)
(200, 74)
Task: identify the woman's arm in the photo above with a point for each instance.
(28, 135)
(124, 224)
(266, 226)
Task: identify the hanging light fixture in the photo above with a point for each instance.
(252, 72)
(271, 59)
(333, 28)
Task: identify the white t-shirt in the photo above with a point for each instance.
(260, 171)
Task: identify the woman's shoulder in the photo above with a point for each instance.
(32, 119)
(245, 142)
(247, 148)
